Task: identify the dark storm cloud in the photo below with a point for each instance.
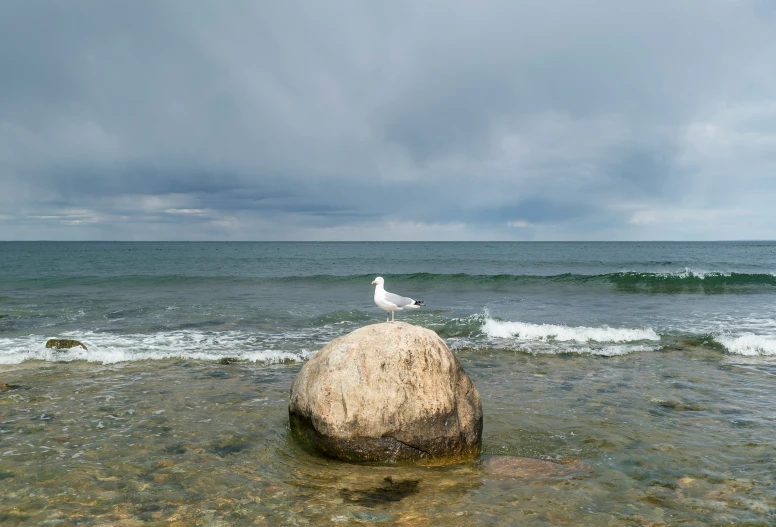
(346, 120)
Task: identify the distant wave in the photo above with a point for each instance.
(689, 281)
(683, 278)
(681, 281)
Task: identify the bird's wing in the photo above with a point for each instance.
(400, 301)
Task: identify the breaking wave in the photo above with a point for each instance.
(552, 332)
(300, 344)
(109, 348)
(748, 344)
(552, 338)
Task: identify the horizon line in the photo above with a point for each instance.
(389, 241)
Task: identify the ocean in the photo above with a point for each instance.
(653, 364)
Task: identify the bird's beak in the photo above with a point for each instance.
(374, 282)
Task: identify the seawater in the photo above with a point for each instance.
(654, 364)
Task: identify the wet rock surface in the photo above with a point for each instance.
(387, 392)
(62, 344)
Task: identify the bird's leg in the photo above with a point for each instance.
(392, 313)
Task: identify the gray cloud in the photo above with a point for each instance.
(408, 120)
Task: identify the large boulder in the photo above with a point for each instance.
(387, 392)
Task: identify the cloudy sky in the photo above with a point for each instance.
(400, 120)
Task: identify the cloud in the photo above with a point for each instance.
(643, 218)
(347, 120)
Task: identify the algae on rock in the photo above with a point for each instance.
(63, 343)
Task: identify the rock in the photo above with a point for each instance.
(231, 444)
(390, 491)
(63, 344)
(677, 405)
(387, 392)
(228, 360)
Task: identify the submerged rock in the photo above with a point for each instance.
(231, 444)
(529, 468)
(228, 360)
(390, 491)
(678, 405)
(387, 392)
(63, 344)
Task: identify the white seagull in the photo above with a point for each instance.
(391, 302)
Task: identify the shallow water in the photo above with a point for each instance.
(685, 441)
(643, 373)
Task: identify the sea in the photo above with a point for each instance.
(650, 364)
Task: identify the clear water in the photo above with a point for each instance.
(652, 364)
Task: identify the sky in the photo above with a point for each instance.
(400, 120)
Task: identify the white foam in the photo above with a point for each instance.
(550, 332)
(684, 273)
(110, 348)
(554, 339)
(604, 351)
(748, 344)
(691, 273)
(558, 348)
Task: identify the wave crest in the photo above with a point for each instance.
(748, 344)
(684, 280)
(552, 332)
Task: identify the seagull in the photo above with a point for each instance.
(391, 302)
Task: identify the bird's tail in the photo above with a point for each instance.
(419, 303)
